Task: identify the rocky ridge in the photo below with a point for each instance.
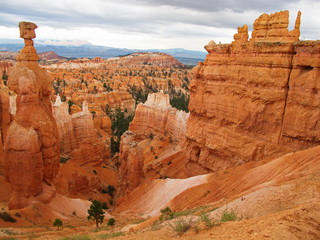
(254, 99)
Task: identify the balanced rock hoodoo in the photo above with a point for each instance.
(31, 145)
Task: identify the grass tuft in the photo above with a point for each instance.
(229, 215)
(181, 226)
(111, 235)
(76, 237)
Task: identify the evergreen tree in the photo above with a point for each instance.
(58, 223)
(96, 212)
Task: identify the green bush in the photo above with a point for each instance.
(7, 217)
(166, 214)
(104, 205)
(57, 223)
(181, 226)
(229, 215)
(119, 124)
(111, 222)
(63, 159)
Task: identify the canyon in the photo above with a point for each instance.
(249, 140)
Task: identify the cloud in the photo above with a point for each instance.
(183, 22)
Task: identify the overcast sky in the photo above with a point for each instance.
(147, 24)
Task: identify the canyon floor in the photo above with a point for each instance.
(285, 206)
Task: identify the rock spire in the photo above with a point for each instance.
(31, 146)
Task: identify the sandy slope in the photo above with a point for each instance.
(277, 199)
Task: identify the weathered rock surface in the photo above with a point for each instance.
(156, 133)
(79, 138)
(31, 147)
(5, 120)
(254, 100)
(157, 116)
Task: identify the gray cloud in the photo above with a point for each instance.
(161, 18)
(218, 5)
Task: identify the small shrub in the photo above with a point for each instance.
(111, 222)
(206, 220)
(155, 226)
(104, 205)
(17, 214)
(151, 136)
(109, 190)
(57, 223)
(166, 214)
(229, 215)
(7, 217)
(181, 226)
(64, 160)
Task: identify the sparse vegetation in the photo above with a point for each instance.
(64, 159)
(104, 205)
(119, 124)
(109, 190)
(111, 235)
(204, 217)
(8, 232)
(229, 215)
(57, 223)
(181, 226)
(166, 214)
(7, 217)
(111, 222)
(95, 212)
(180, 102)
(4, 77)
(76, 237)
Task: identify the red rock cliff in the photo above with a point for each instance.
(254, 99)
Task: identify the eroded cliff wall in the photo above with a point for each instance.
(156, 133)
(254, 99)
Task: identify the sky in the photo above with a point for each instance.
(148, 24)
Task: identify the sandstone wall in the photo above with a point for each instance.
(256, 99)
(157, 116)
(79, 138)
(154, 123)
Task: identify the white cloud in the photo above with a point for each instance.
(148, 23)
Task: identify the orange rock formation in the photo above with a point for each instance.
(79, 138)
(31, 145)
(154, 135)
(256, 99)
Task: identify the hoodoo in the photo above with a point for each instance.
(31, 144)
